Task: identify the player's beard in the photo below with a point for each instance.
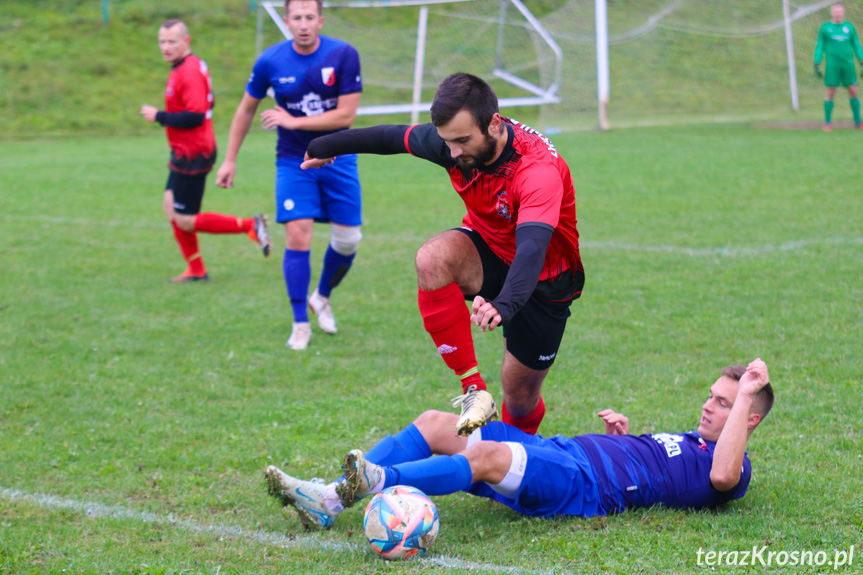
(482, 157)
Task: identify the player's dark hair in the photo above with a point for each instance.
(762, 403)
(464, 92)
(320, 4)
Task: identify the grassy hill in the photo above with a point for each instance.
(64, 71)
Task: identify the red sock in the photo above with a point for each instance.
(221, 224)
(188, 242)
(446, 318)
(530, 422)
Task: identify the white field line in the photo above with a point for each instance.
(372, 237)
(99, 510)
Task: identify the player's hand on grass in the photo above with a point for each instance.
(818, 71)
(278, 117)
(615, 423)
(755, 378)
(484, 314)
(225, 175)
(315, 163)
(149, 112)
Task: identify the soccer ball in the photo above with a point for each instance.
(401, 522)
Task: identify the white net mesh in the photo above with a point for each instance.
(475, 37)
(670, 60)
(700, 60)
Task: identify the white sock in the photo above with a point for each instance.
(331, 499)
(379, 486)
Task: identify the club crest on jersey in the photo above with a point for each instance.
(503, 205)
(328, 75)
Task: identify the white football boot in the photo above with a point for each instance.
(320, 306)
(361, 478)
(477, 409)
(317, 504)
(301, 333)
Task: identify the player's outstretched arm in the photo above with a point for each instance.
(243, 118)
(384, 139)
(731, 445)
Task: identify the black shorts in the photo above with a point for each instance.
(533, 336)
(188, 191)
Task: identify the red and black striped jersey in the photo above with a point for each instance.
(528, 183)
(190, 89)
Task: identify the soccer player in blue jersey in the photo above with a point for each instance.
(316, 84)
(586, 475)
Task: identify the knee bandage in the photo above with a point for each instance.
(344, 240)
(510, 484)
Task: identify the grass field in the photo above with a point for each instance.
(136, 416)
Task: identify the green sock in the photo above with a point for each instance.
(855, 109)
(828, 110)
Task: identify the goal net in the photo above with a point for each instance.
(689, 60)
(407, 47)
(669, 60)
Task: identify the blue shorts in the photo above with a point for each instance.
(330, 194)
(558, 478)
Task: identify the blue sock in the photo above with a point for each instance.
(336, 267)
(407, 445)
(298, 273)
(439, 475)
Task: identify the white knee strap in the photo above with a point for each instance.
(510, 484)
(344, 240)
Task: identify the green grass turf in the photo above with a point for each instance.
(704, 246)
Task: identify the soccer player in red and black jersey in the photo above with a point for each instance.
(187, 118)
(515, 255)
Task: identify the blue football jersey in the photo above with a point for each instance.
(671, 469)
(305, 85)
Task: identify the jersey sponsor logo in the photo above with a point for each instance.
(670, 441)
(328, 75)
(444, 348)
(288, 80)
(503, 205)
(313, 105)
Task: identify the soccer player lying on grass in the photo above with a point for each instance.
(515, 257)
(586, 475)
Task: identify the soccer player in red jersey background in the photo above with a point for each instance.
(515, 256)
(187, 118)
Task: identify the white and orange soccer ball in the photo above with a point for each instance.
(401, 522)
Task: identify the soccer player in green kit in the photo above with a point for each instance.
(838, 40)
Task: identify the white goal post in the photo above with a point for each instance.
(541, 87)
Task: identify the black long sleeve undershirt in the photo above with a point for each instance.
(531, 243)
(180, 119)
(383, 140)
